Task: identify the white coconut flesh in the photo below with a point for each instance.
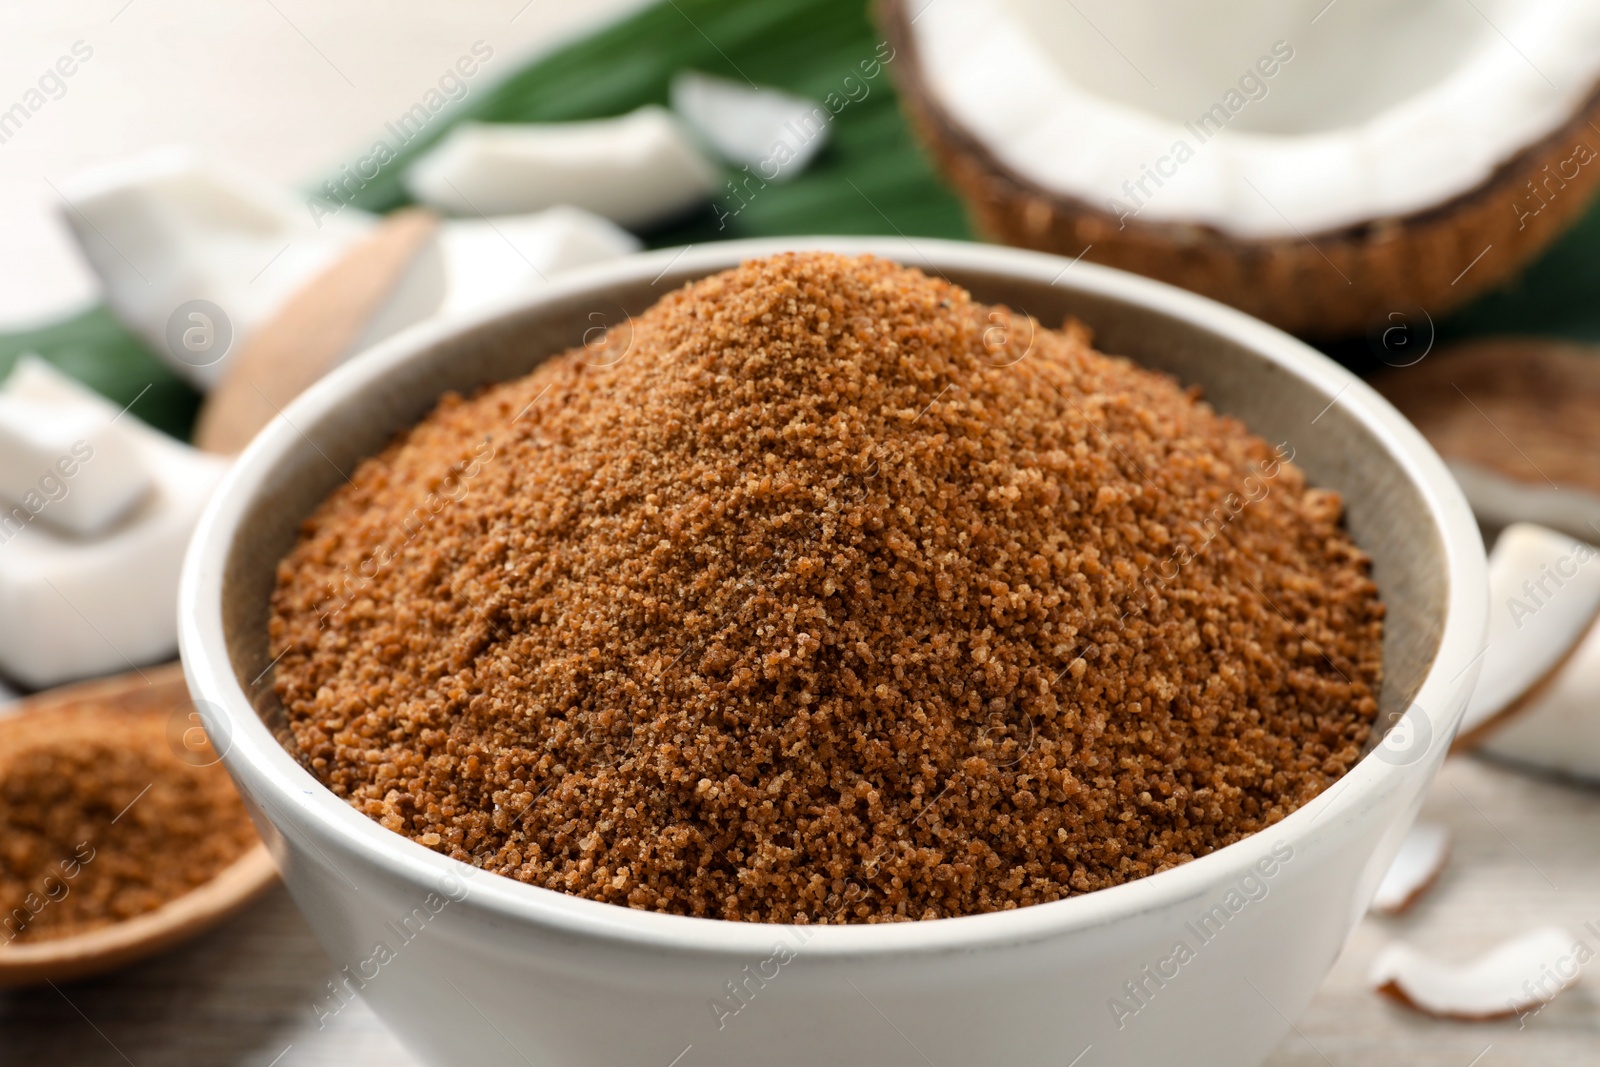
(1421, 857)
(1544, 595)
(637, 169)
(773, 132)
(488, 260)
(1512, 977)
(1260, 118)
(170, 226)
(76, 605)
(1561, 731)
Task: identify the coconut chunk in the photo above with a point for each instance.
(1416, 866)
(1513, 978)
(71, 607)
(486, 260)
(1544, 591)
(68, 465)
(773, 132)
(1560, 730)
(170, 227)
(637, 170)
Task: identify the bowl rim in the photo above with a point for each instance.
(263, 768)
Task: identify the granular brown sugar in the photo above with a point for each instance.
(97, 829)
(826, 594)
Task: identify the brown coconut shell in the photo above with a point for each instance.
(1331, 283)
(1522, 407)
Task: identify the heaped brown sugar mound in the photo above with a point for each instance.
(828, 595)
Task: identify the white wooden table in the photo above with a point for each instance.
(1527, 852)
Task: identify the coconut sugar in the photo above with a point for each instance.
(827, 594)
(93, 832)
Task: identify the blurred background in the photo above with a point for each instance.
(288, 90)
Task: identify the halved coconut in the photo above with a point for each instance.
(1514, 417)
(1314, 164)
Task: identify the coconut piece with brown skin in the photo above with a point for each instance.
(1517, 977)
(1415, 868)
(1544, 596)
(1311, 212)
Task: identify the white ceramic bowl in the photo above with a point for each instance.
(1203, 964)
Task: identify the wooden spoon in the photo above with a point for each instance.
(96, 710)
(313, 332)
(1514, 419)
